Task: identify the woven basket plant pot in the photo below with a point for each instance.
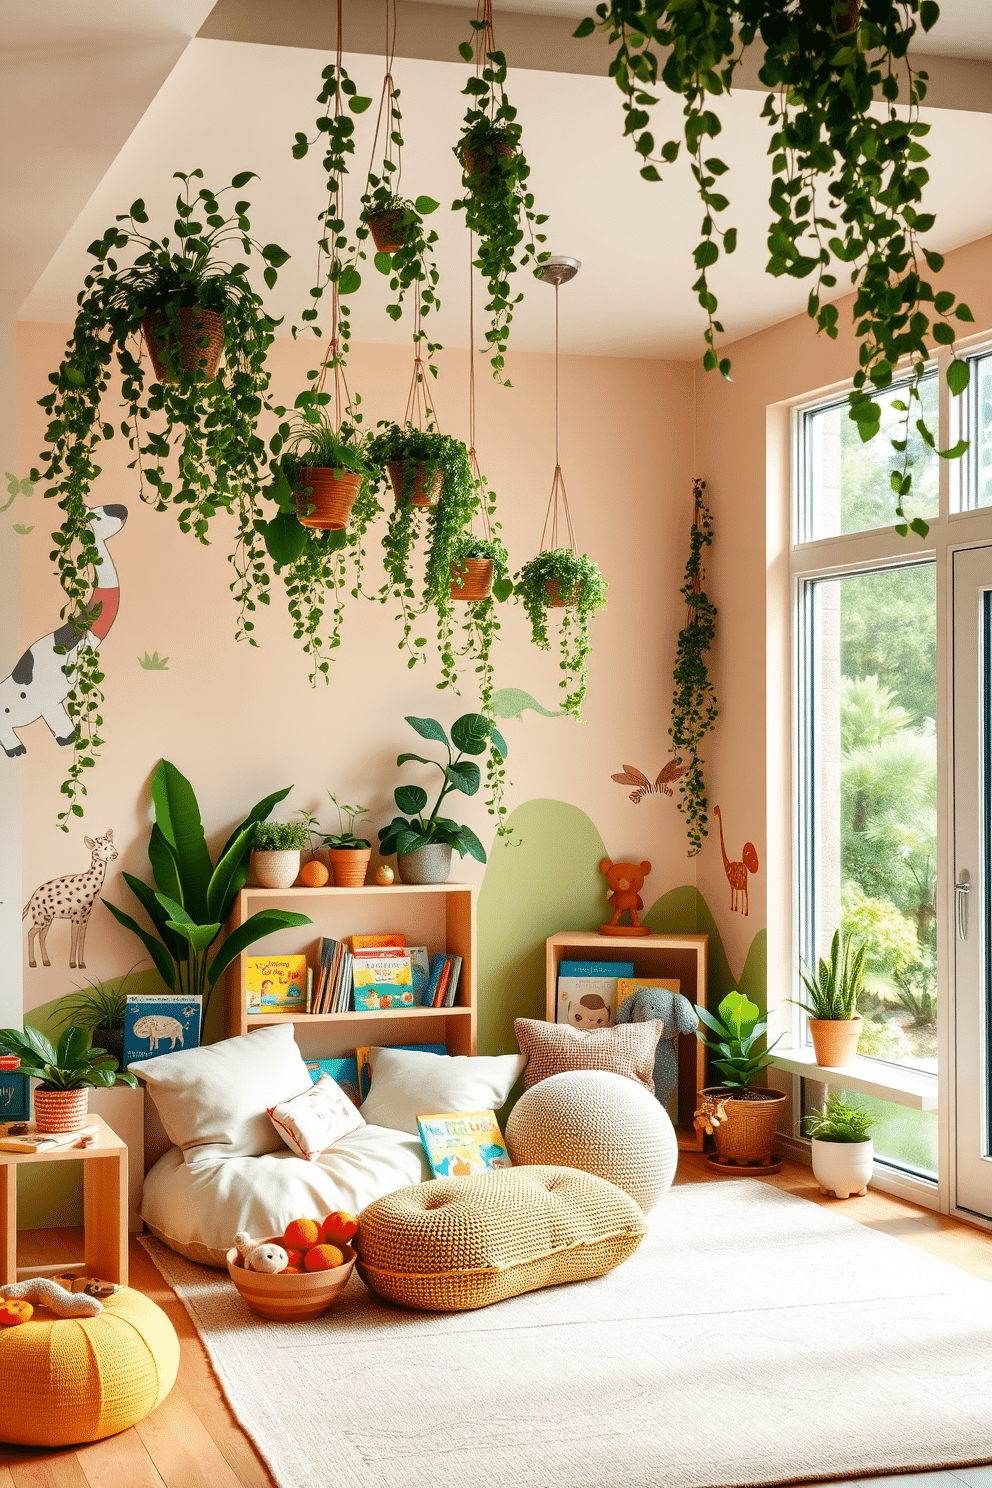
(387, 233)
(428, 865)
(349, 866)
(557, 600)
(201, 342)
(472, 580)
(324, 500)
(752, 1119)
(276, 870)
(485, 159)
(425, 490)
(60, 1110)
(835, 1040)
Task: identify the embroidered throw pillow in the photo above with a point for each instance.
(551, 1048)
(315, 1120)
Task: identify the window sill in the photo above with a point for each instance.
(890, 1082)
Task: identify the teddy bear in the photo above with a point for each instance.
(260, 1255)
(625, 881)
(676, 1015)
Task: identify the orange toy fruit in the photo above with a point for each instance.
(339, 1228)
(323, 1258)
(290, 1271)
(300, 1234)
(13, 1311)
(313, 874)
(294, 1258)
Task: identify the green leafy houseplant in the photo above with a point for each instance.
(835, 988)
(575, 579)
(68, 1065)
(737, 1028)
(345, 836)
(209, 424)
(847, 177)
(694, 705)
(100, 1008)
(839, 1121)
(472, 734)
(279, 837)
(192, 897)
(498, 207)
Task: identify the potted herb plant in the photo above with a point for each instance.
(348, 853)
(423, 842)
(558, 578)
(832, 1006)
(843, 1152)
(100, 1008)
(67, 1071)
(275, 853)
(744, 1116)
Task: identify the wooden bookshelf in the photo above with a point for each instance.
(682, 956)
(440, 916)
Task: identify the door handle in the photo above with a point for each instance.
(961, 891)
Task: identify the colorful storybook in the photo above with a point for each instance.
(463, 1144)
(587, 992)
(156, 1025)
(382, 981)
(344, 1072)
(276, 984)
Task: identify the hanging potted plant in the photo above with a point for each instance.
(324, 466)
(694, 705)
(477, 563)
(68, 1072)
(187, 300)
(349, 854)
(842, 1151)
(742, 1116)
(832, 1006)
(559, 578)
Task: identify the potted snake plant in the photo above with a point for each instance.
(67, 1070)
(832, 1005)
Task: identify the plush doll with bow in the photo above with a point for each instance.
(676, 1015)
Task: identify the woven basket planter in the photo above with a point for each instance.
(201, 342)
(349, 866)
(485, 159)
(60, 1110)
(425, 489)
(476, 579)
(327, 502)
(559, 601)
(752, 1119)
(387, 232)
(835, 1040)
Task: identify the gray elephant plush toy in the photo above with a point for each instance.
(676, 1015)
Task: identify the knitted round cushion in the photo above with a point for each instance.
(69, 1380)
(601, 1123)
(457, 1243)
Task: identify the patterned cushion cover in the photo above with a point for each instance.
(311, 1122)
(625, 1049)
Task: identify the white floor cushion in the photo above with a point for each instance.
(199, 1210)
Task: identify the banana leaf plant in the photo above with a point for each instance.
(193, 898)
(68, 1065)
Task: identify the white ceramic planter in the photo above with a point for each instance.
(843, 1168)
(277, 870)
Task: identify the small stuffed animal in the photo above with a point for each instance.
(260, 1255)
(625, 881)
(676, 1015)
(48, 1293)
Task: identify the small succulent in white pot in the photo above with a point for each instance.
(276, 849)
(843, 1152)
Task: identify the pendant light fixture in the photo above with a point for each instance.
(558, 271)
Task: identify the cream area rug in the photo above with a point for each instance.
(753, 1338)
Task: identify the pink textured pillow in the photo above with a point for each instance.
(625, 1049)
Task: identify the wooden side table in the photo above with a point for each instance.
(105, 1208)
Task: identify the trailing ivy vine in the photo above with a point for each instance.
(848, 177)
(694, 704)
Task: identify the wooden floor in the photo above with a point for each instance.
(193, 1441)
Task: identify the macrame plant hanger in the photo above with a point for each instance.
(557, 271)
(334, 360)
(473, 458)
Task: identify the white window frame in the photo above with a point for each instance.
(790, 565)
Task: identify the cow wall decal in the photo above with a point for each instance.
(71, 898)
(41, 679)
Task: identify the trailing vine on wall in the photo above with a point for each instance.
(848, 177)
(694, 704)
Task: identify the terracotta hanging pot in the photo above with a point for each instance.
(472, 580)
(324, 500)
(835, 1040)
(418, 488)
(559, 601)
(201, 342)
(387, 231)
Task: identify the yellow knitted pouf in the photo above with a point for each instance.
(69, 1380)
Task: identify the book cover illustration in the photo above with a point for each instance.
(463, 1144)
(159, 1025)
(627, 986)
(365, 1064)
(420, 970)
(276, 984)
(382, 982)
(587, 992)
(390, 938)
(343, 1072)
(15, 1096)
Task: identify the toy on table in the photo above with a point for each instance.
(260, 1255)
(69, 1296)
(625, 881)
(676, 1015)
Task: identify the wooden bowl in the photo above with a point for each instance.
(290, 1298)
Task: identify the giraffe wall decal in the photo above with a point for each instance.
(71, 898)
(41, 680)
(737, 872)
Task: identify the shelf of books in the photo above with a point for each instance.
(600, 967)
(378, 966)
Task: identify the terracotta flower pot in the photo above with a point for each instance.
(60, 1110)
(835, 1040)
(349, 866)
(290, 1298)
(752, 1119)
(428, 865)
(387, 233)
(201, 341)
(324, 500)
(420, 490)
(472, 580)
(278, 869)
(843, 1168)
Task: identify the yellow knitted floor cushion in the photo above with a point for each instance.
(69, 1380)
(458, 1243)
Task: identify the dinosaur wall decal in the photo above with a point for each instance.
(513, 702)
